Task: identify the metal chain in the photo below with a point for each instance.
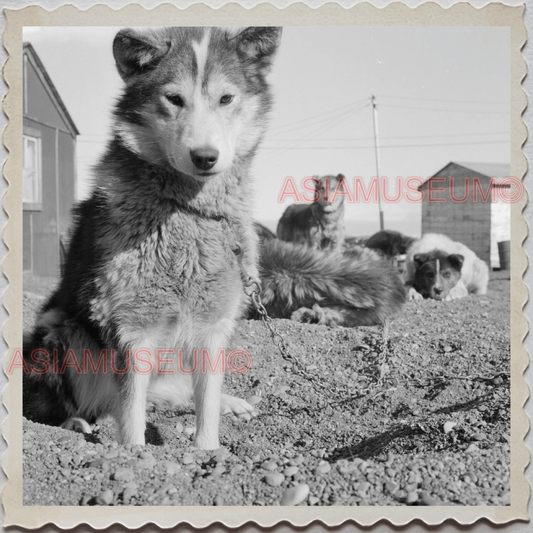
(252, 288)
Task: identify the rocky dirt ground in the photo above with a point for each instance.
(425, 421)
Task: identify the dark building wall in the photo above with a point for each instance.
(467, 221)
(43, 225)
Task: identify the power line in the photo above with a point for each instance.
(445, 100)
(442, 110)
(326, 114)
(382, 146)
(408, 137)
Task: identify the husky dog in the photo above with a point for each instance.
(308, 285)
(152, 265)
(442, 269)
(389, 243)
(321, 223)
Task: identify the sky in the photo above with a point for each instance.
(442, 94)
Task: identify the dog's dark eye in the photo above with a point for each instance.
(446, 275)
(226, 99)
(175, 99)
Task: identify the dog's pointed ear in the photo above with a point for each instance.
(257, 45)
(137, 51)
(456, 261)
(420, 259)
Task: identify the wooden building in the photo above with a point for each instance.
(459, 202)
(49, 169)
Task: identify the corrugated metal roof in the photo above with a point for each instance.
(28, 49)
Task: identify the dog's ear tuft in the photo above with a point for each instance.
(257, 45)
(137, 51)
(456, 261)
(420, 259)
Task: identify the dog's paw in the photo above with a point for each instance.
(414, 295)
(241, 408)
(77, 424)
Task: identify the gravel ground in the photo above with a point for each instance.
(424, 422)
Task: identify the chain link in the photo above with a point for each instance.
(252, 288)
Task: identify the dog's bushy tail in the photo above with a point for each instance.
(359, 286)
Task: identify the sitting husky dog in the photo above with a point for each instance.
(152, 263)
(442, 269)
(319, 224)
(307, 285)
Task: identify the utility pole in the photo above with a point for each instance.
(375, 115)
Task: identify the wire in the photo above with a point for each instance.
(444, 100)
(479, 112)
(333, 122)
(380, 146)
(407, 137)
(335, 111)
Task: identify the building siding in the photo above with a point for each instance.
(45, 117)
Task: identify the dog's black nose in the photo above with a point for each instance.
(437, 290)
(204, 158)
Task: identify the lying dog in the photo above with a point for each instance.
(309, 285)
(442, 269)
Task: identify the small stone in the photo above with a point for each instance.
(97, 463)
(112, 454)
(412, 497)
(472, 448)
(290, 471)
(295, 495)
(219, 501)
(236, 469)
(313, 500)
(297, 461)
(187, 458)
(427, 499)
(269, 465)
(105, 498)
(179, 427)
(170, 467)
(128, 494)
(448, 426)
(124, 474)
(448, 349)
(190, 431)
(391, 487)
(275, 479)
(323, 468)
(479, 436)
(218, 471)
(148, 462)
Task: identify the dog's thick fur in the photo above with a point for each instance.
(389, 243)
(151, 263)
(309, 285)
(319, 224)
(440, 268)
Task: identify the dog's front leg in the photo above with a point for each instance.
(207, 393)
(131, 406)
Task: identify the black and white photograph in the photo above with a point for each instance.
(266, 266)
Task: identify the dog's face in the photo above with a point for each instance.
(436, 273)
(194, 97)
(330, 189)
